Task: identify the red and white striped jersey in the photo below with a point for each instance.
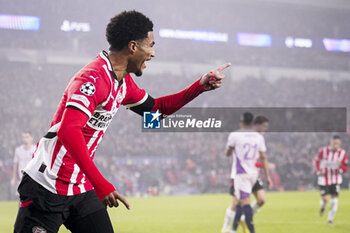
(330, 165)
(95, 91)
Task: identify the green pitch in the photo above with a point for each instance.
(289, 212)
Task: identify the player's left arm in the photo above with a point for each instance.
(15, 169)
(229, 151)
(171, 103)
(265, 166)
(230, 145)
(344, 163)
(264, 162)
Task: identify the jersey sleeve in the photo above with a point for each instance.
(344, 163)
(231, 141)
(139, 101)
(86, 92)
(262, 145)
(135, 97)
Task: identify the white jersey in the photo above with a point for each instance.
(23, 155)
(246, 145)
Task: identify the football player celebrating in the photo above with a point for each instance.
(61, 184)
(330, 163)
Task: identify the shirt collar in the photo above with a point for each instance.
(104, 56)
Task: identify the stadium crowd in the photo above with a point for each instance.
(141, 163)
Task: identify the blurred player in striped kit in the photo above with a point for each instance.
(247, 146)
(330, 163)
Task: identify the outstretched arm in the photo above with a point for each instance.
(171, 103)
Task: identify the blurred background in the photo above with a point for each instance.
(284, 53)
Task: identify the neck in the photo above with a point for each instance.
(119, 63)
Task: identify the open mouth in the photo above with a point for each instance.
(144, 63)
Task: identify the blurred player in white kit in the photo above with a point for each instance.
(247, 146)
(23, 154)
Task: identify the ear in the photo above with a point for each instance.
(132, 46)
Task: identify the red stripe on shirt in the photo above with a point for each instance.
(87, 185)
(76, 189)
(65, 173)
(61, 187)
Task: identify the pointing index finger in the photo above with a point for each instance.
(124, 201)
(222, 67)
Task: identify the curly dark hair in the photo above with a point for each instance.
(127, 26)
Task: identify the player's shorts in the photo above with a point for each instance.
(44, 212)
(259, 184)
(332, 189)
(244, 184)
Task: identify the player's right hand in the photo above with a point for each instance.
(111, 200)
(212, 80)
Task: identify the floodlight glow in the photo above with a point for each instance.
(20, 22)
(256, 40)
(198, 35)
(338, 45)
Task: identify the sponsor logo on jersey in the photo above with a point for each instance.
(100, 120)
(82, 99)
(38, 229)
(88, 89)
(151, 120)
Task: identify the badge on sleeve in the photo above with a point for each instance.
(88, 89)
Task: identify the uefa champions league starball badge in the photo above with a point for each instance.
(88, 89)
